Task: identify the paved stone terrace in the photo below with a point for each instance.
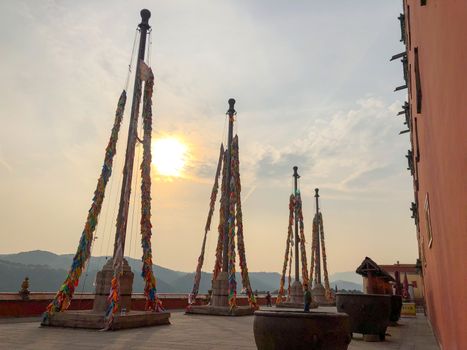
(189, 332)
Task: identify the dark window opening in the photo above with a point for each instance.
(409, 83)
(428, 226)
(418, 85)
(417, 149)
(423, 2)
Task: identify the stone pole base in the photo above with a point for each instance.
(219, 305)
(104, 282)
(318, 294)
(220, 291)
(295, 299)
(95, 318)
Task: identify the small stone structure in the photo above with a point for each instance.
(24, 292)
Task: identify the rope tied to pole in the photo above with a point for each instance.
(239, 217)
(207, 227)
(130, 65)
(150, 292)
(63, 297)
(298, 206)
(327, 286)
(295, 211)
(220, 227)
(314, 246)
(232, 193)
(114, 294)
(287, 257)
(289, 277)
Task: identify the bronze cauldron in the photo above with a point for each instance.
(369, 313)
(277, 330)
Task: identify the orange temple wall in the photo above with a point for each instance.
(437, 33)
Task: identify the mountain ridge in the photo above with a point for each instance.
(47, 270)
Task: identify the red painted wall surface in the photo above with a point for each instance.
(11, 304)
(439, 31)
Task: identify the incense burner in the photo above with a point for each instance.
(369, 313)
(396, 306)
(275, 330)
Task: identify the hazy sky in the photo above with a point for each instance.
(313, 85)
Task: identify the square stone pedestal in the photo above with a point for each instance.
(296, 300)
(95, 318)
(219, 310)
(219, 305)
(318, 294)
(104, 282)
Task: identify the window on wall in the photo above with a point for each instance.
(429, 231)
(418, 84)
(423, 2)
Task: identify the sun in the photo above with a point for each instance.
(168, 156)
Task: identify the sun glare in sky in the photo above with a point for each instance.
(168, 156)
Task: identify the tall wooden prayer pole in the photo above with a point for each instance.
(223, 300)
(297, 260)
(321, 294)
(295, 292)
(122, 217)
(318, 253)
(225, 252)
(114, 282)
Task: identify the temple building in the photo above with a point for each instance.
(434, 62)
(413, 276)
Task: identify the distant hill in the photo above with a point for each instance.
(261, 281)
(42, 277)
(350, 276)
(346, 285)
(63, 261)
(47, 271)
(39, 257)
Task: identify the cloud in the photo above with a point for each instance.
(6, 165)
(280, 168)
(346, 151)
